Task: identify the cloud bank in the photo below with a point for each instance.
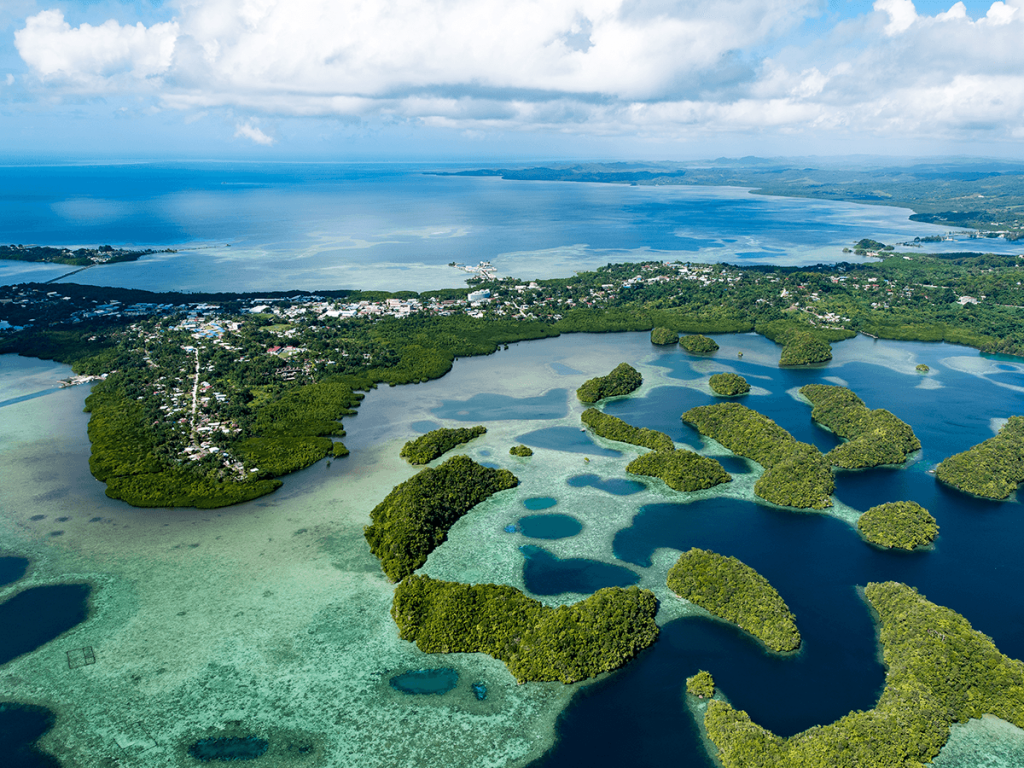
(660, 68)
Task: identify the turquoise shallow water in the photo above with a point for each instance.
(816, 561)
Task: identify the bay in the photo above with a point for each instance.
(262, 226)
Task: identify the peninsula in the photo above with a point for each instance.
(940, 671)
(992, 469)
(77, 257)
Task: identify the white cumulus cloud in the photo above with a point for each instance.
(249, 130)
(902, 14)
(663, 68)
(93, 55)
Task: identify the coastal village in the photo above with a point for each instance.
(192, 351)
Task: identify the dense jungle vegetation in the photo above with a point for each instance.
(796, 474)
(681, 470)
(623, 379)
(940, 671)
(728, 384)
(804, 349)
(413, 520)
(993, 468)
(131, 455)
(875, 437)
(522, 451)
(662, 336)
(734, 591)
(614, 428)
(425, 448)
(701, 685)
(698, 344)
(537, 643)
(900, 524)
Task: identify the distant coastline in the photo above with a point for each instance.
(993, 209)
(79, 257)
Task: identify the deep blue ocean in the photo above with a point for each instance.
(252, 226)
(815, 561)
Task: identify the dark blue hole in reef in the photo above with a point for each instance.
(12, 569)
(21, 726)
(38, 615)
(480, 691)
(538, 503)
(419, 682)
(549, 526)
(229, 748)
(614, 486)
(546, 574)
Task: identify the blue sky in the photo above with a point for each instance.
(492, 79)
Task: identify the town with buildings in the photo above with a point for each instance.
(200, 364)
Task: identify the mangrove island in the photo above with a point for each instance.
(623, 379)
(939, 671)
(426, 448)
(874, 437)
(992, 469)
(537, 643)
(413, 520)
(900, 524)
(735, 592)
(796, 474)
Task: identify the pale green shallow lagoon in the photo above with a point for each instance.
(272, 617)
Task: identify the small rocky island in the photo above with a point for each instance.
(698, 344)
(663, 336)
(899, 524)
(728, 384)
(623, 379)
